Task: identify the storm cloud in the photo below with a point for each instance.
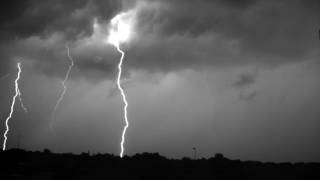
(233, 32)
(233, 76)
(23, 19)
(168, 35)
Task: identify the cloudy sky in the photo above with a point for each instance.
(240, 77)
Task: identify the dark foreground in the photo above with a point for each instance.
(19, 164)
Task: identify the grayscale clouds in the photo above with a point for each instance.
(233, 76)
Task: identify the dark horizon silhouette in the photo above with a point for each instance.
(21, 164)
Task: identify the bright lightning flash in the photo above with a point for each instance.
(63, 85)
(17, 94)
(119, 33)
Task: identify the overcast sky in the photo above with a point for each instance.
(239, 77)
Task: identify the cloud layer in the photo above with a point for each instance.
(169, 35)
(239, 77)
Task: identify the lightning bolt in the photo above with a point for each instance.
(120, 32)
(123, 98)
(64, 87)
(17, 94)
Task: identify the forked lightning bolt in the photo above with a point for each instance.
(119, 33)
(124, 100)
(63, 85)
(17, 94)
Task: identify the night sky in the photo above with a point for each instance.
(238, 77)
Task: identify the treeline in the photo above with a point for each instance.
(20, 164)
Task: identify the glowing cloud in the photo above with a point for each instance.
(120, 31)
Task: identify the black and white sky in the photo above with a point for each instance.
(240, 77)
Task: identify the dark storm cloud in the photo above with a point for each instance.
(33, 24)
(25, 18)
(260, 22)
(176, 34)
(244, 85)
(238, 3)
(245, 80)
(247, 96)
(198, 72)
(93, 62)
(279, 31)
